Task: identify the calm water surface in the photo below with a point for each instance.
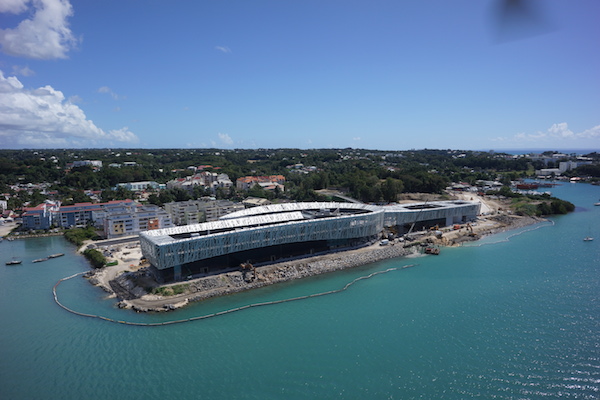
(514, 316)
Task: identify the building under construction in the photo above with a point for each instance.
(280, 231)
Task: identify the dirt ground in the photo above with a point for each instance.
(6, 227)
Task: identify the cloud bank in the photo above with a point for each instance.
(225, 139)
(42, 118)
(557, 134)
(44, 35)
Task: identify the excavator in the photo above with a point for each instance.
(470, 229)
(246, 267)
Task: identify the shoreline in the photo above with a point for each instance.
(129, 281)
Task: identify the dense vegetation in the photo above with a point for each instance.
(95, 258)
(368, 175)
(79, 235)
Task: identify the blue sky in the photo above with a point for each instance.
(388, 75)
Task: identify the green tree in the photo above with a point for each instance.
(95, 257)
(390, 189)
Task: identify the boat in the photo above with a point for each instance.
(527, 186)
(56, 255)
(597, 204)
(40, 260)
(588, 239)
(13, 262)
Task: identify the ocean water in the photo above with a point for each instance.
(513, 316)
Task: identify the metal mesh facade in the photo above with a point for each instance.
(279, 224)
(170, 247)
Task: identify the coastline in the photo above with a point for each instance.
(129, 281)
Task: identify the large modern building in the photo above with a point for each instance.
(278, 231)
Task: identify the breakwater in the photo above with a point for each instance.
(229, 311)
(238, 281)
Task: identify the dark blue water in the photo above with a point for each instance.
(514, 316)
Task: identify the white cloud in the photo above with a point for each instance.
(557, 134)
(23, 71)
(107, 90)
(225, 139)
(13, 6)
(223, 49)
(356, 138)
(44, 35)
(591, 133)
(123, 135)
(561, 130)
(42, 117)
(75, 99)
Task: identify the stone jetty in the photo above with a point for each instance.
(237, 281)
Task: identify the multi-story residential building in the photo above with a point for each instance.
(114, 218)
(184, 212)
(41, 216)
(81, 214)
(202, 210)
(215, 209)
(123, 223)
(143, 218)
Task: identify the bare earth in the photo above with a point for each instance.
(6, 228)
(129, 281)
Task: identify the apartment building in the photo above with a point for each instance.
(202, 210)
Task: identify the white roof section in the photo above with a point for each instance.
(162, 236)
(287, 207)
(411, 207)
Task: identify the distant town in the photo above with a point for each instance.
(122, 192)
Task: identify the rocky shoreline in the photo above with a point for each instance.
(237, 281)
(133, 284)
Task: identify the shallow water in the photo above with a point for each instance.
(511, 316)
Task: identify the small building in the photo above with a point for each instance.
(204, 179)
(141, 186)
(266, 182)
(84, 163)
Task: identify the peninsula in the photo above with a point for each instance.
(132, 283)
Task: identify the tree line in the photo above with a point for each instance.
(368, 175)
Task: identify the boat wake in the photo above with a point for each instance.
(517, 233)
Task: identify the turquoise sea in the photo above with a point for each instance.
(513, 316)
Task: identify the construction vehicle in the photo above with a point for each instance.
(432, 250)
(246, 268)
(470, 229)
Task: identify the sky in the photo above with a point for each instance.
(243, 74)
